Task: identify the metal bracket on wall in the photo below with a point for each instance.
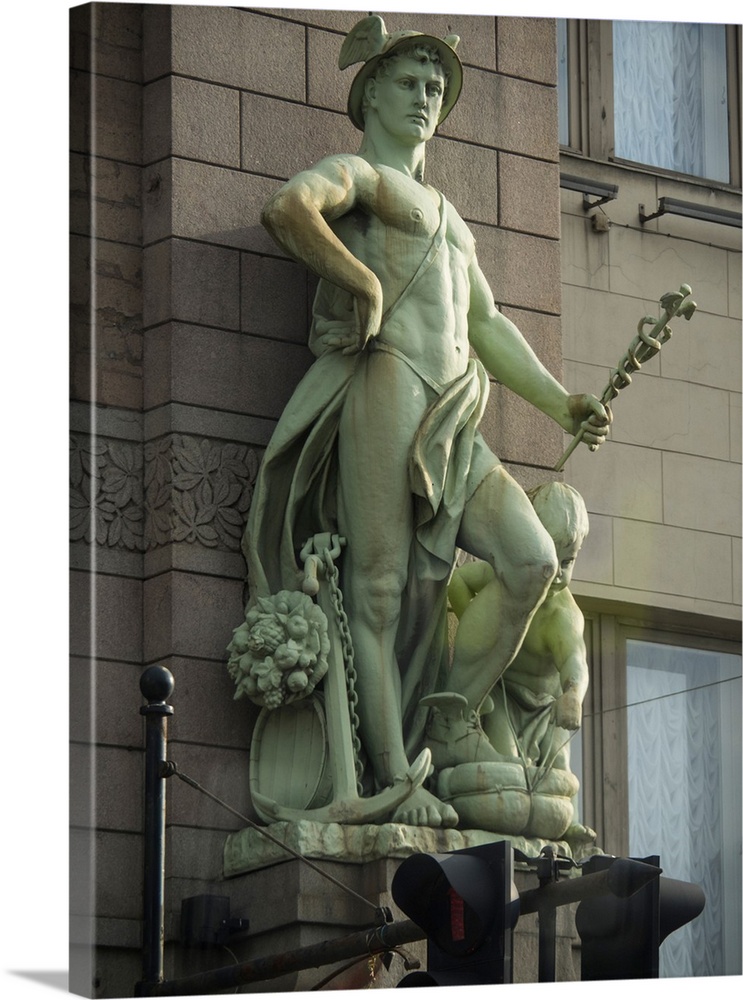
(206, 920)
(704, 213)
(602, 192)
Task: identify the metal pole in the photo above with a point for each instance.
(623, 878)
(375, 941)
(547, 934)
(156, 684)
(628, 877)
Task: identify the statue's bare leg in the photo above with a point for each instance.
(500, 526)
(381, 415)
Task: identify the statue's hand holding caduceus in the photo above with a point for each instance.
(588, 414)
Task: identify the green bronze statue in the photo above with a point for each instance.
(379, 445)
(536, 704)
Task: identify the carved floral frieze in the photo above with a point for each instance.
(176, 489)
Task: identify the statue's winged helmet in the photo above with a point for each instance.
(368, 42)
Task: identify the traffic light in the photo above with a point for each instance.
(467, 904)
(621, 938)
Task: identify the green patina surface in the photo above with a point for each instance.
(377, 469)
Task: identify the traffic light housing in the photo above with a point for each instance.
(467, 904)
(621, 938)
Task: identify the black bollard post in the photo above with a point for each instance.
(156, 684)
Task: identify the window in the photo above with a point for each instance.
(662, 772)
(670, 97)
(656, 94)
(684, 783)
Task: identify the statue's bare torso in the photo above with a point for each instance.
(390, 228)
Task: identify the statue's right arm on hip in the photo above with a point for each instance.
(297, 217)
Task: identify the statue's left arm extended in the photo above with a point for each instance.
(506, 355)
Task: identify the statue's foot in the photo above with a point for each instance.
(422, 808)
(454, 734)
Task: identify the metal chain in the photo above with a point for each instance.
(336, 596)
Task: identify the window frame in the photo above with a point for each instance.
(604, 782)
(591, 101)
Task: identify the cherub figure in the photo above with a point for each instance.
(536, 703)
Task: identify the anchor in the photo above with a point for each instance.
(346, 805)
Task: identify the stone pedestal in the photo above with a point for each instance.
(290, 905)
(248, 849)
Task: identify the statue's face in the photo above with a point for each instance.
(566, 555)
(407, 99)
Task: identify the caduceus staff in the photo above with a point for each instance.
(645, 346)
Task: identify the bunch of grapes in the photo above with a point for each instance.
(273, 697)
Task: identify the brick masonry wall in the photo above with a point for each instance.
(188, 337)
(106, 346)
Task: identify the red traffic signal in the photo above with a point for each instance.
(467, 904)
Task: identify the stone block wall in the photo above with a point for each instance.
(664, 493)
(188, 337)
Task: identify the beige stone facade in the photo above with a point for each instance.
(669, 482)
(188, 337)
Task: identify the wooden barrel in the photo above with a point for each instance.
(289, 755)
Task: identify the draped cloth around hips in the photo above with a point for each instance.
(296, 496)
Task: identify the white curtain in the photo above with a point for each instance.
(670, 96)
(684, 774)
